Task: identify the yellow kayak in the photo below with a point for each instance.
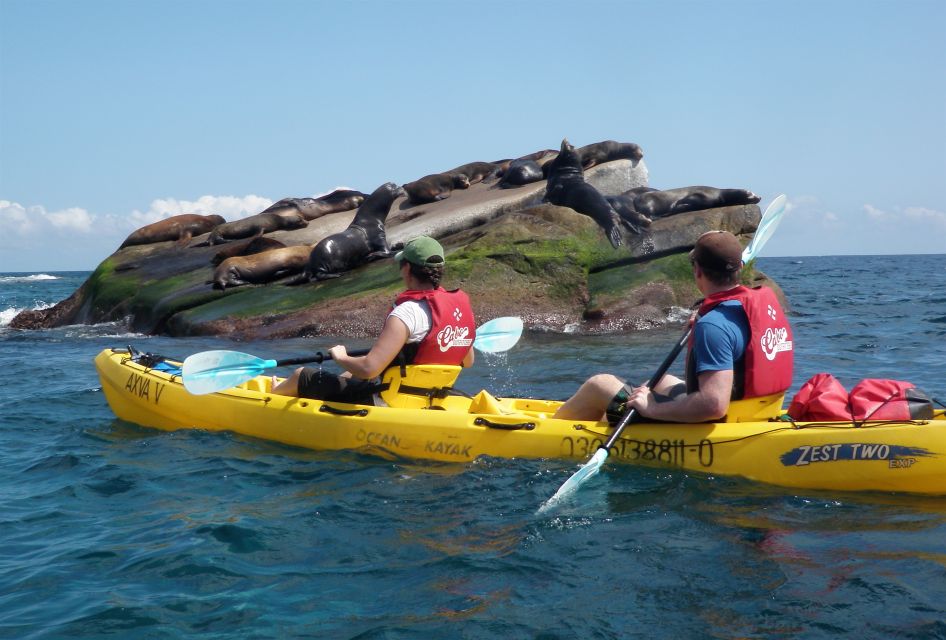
(753, 442)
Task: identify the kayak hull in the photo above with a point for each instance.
(888, 456)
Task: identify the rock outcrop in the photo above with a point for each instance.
(513, 253)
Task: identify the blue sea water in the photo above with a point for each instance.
(108, 529)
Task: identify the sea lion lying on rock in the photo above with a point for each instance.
(312, 208)
(474, 171)
(261, 267)
(601, 152)
(434, 187)
(259, 244)
(520, 172)
(656, 204)
(566, 187)
(256, 225)
(362, 241)
(180, 228)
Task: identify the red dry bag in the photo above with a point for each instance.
(822, 398)
(880, 399)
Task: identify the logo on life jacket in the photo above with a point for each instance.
(453, 336)
(774, 341)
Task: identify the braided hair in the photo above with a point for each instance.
(432, 273)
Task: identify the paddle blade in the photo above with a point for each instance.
(499, 334)
(770, 219)
(210, 371)
(588, 471)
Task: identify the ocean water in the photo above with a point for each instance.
(108, 529)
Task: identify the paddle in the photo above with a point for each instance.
(211, 371)
(770, 219)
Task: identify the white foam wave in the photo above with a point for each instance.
(36, 277)
(678, 314)
(7, 315)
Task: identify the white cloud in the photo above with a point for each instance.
(230, 207)
(71, 219)
(907, 215)
(82, 238)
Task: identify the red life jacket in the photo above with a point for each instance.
(452, 328)
(768, 361)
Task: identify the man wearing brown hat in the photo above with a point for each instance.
(740, 347)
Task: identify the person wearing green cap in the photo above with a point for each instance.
(740, 347)
(428, 325)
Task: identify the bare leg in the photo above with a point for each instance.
(592, 398)
(289, 386)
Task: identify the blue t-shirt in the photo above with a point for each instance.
(720, 337)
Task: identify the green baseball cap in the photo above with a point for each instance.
(422, 251)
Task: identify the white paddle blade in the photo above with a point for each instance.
(210, 371)
(588, 471)
(767, 225)
(499, 334)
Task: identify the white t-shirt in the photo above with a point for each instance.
(416, 316)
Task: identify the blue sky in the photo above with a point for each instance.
(114, 114)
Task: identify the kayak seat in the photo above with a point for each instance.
(422, 386)
(755, 409)
(259, 384)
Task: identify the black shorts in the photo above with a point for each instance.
(320, 385)
(618, 404)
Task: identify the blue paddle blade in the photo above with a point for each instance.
(210, 371)
(588, 471)
(499, 334)
(770, 219)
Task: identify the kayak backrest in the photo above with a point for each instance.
(420, 387)
(755, 409)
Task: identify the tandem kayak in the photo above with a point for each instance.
(755, 441)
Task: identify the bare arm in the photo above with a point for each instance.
(393, 336)
(468, 358)
(710, 402)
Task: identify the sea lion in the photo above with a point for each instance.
(434, 187)
(520, 172)
(261, 267)
(259, 244)
(256, 225)
(180, 228)
(631, 218)
(636, 191)
(312, 208)
(363, 240)
(566, 187)
(474, 171)
(656, 204)
(601, 152)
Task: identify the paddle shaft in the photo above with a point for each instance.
(661, 371)
(318, 357)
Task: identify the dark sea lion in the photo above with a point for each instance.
(312, 208)
(601, 152)
(180, 228)
(262, 267)
(656, 204)
(363, 240)
(257, 225)
(434, 187)
(631, 218)
(521, 172)
(259, 244)
(566, 187)
(474, 171)
(636, 191)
